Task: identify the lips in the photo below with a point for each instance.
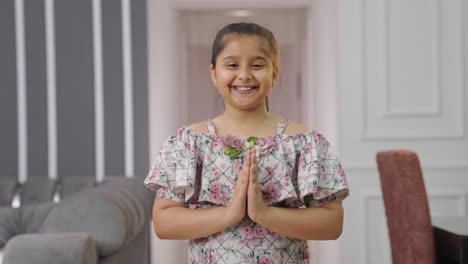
(244, 89)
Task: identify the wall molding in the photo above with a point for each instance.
(128, 89)
(98, 92)
(392, 114)
(51, 89)
(22, 107)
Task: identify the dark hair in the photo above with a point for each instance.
(249, 29)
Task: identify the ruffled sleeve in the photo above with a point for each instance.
(320, 177)
(173, 173)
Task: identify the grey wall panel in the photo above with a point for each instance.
(36, 85)
(140, 83)
(8, 111)
(113, 87)
(75, 91)
(75, 88)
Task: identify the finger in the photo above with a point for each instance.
(253, 170)
(247, 158)
(254, 156)
(244, 177)
(246, 165)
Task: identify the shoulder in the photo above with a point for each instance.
(294, 128)
(199, 127)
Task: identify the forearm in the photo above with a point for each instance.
(186, 223)
(321, 223)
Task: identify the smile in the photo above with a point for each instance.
(244, 89)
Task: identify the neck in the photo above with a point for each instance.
(256, 115)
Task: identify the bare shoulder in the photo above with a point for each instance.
(294, 128)
(199, 127)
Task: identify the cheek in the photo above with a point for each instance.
(265, 76)
(224, 77)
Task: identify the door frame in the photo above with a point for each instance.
(165, 94)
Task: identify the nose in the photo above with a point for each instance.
(244, 73)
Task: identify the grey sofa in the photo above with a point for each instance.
(106, 224)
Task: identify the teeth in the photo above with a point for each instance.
(243, 88)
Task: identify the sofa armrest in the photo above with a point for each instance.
(51, 248)
(8, 224)
(1, 253)
(113, 214)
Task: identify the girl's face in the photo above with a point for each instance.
(244, 73)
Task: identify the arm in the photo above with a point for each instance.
(321, 223)
(172, 220)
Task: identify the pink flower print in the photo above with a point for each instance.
(341, 174)
(215, 187)
(217, 145)
(320, 191)
(216, 172)
(237, 168)
(222, 166)
(260, 231)
(271, 192)
(193, 151)
(301, 162)
(265, 259)
(267, 144)
(225, 194)
(219, 193)
(277, 258)
(249, 236)
(234, 141)
(201, 240)
(281, 241)
(214, 256)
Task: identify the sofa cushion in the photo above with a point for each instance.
(88, 213)
(8, 224)
(17, 221)
(70, 248)
(112, 213)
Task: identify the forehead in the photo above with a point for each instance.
(244, 46)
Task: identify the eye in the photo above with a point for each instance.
(231, 65)
(257, 66)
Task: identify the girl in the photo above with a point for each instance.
(247, 186)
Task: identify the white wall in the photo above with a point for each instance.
(403, 85)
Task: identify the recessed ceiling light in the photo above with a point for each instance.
(241, 13)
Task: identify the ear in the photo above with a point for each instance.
(275, 75)
(213, 75)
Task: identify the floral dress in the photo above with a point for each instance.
(294, 170)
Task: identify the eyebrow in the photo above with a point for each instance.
(235, 57)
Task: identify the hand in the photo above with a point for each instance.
(255, 205)
(237, 207)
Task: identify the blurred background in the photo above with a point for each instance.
(92, 89)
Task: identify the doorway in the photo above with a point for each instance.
(199, 28)
(180, 90)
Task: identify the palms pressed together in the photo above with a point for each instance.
(247, 198)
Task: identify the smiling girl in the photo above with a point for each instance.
(247, 186)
